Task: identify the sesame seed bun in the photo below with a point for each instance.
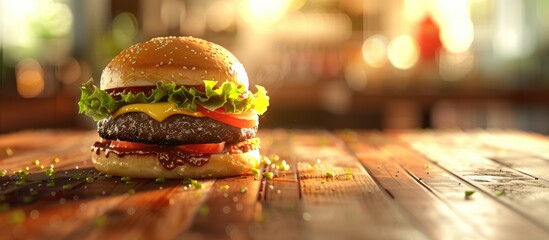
(183, 60)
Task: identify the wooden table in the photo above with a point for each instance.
(341, 185)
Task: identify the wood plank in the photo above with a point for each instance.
(278, 213)
(155, 211)
(431, 213)
(226, 212)
(84, 204)
(471, 171)
(342, 206)
(402, 185)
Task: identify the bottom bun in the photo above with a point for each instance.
(148, 166)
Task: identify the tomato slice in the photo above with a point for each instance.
(246, 120)
(205, 148)
(202, 148)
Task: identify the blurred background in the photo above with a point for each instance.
(381, 64)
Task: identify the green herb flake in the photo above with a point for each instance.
(330, 174)
(8, 151)
(274, 158)
(27, 168)
(255, 171)
(36, 162)
(3, 173)
(203, 210)
(469, 193)
(243, 189)
(50, 173)
(197, 185)
(323, 181)
(100, 221)
(17, 217)
(160, 180)
(282, 166)
(67, 187)
(41, 167)
(193, 183)
(4, 207)
(268, 175)
(56, 160)
(77, 176)
(501, 193)
(126, 180)
(266, 160)
(108, 175)
(224, 187)
(27, 199)
(22, 175)
(50, 183)
(90, 179)
(290, 208)
(33, 192)
(21, 182)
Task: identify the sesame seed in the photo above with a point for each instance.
(184, 67)
(194, 68)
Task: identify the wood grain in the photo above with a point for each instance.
(340, 185)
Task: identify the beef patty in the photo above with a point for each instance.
(174, 130)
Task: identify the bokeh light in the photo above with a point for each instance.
(403, 52)
(374, 51)
(355, 76)
(263, 11)
(26, 24)
(456, 26)
(124, 29)
(29, 78)
(219, 16)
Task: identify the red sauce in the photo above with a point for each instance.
(169, 156)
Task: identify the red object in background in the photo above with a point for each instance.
(428, 39)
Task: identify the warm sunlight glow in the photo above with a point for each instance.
(263, 11)
(456, 27)
(219, 16)
(374, 51)
(403, 52)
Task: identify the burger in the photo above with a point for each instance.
(175, 107)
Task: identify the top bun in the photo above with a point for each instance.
(183, 60)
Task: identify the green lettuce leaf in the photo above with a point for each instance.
(234, 98)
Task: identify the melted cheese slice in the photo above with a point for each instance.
(157, 111)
